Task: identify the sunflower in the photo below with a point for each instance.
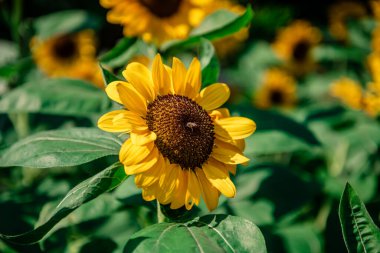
(373, 62)
(70, 55)
(278, 89)
(371, 103)
(294, 45)
(181, 145)
(348, 91)
(156, 20)
(340, 13)
(230, 44)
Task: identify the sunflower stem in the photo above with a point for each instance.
(160, 216)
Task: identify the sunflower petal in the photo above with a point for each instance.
(228, 153)
(179, 198)
(131, 98)
(144, 165)
(234, 128)
(143, 138)
(218, 176)
(112, 91)
(131, 154)
(168, 183)
(148, 193)
(141, 79)
(193, 78)
(161, 78)
(193, 190)
(209, 193)
(179, 77)
(114, 122)
(151, 176)
(213, 96)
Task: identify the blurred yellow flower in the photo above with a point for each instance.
(376, 40)
(373, 62)
(340, 13)
(70, 55)
(231, 44)
(348, 91)
(375, 7)
(278, 89)
(371, 103)
(182, 145)
(294, 45)
(156, 20)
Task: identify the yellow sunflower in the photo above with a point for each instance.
(373, 62)
(348, 91)
(340, 13)
(294, 45)
(71, 55)
(278, 89)
(231, 44)
(182, 145)
(156, 20)
(371, 103)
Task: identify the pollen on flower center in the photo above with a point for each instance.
(162, 8)
(65, 48)
(185, 131)
(301, 50)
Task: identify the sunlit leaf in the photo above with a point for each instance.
(209, 62)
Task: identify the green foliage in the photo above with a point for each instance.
(84, 192)
(359, 231)
(56, 96)
(210, 233)
(60, 148)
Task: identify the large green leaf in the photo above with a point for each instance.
(60, 148)
(218, 25)
(86, 191)
(64, 22)
(56, 96)
(209, 62)
(359, 231)
(125, 50)
(210, 233)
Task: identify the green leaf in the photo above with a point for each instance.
(359, 231)
(125, 50)
(108, 76)
(13, 69)
(275, 133)
(56, 96)
(86, 191)
(217, 25)
(209, 62)
(64, 22)
(61, 148)
(210, 233)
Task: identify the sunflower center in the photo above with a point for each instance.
(277, 97)
(301, 50)
(162, 8)
(185, 131)
(65, 48)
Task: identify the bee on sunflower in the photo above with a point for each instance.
(182, 145)
(156, 21)
(277, 90)
(69, 55)
(294, 45)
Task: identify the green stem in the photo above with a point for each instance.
(20, 122)
(160, 216)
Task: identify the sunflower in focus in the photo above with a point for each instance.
(348, 91)
(230, 44)
(182, 146)
(156, 20)
(294, 45)
(70, 55)
(340, 13)
(278, 89)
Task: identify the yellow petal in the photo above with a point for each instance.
(144, 165)
(213, 96)
(218, 176)
(161, 78)
(131, 99)
(148, 193)
(131, 154)
(151, 176)
(168, 183)
(234, 128)
(112, 92)
(220, 113)
(113, 122)
(143, 138)
(228, 153)
(209, 193)
(141, 79)
(193, 79)
(193, 190)
(179, 77)
(178, 199)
